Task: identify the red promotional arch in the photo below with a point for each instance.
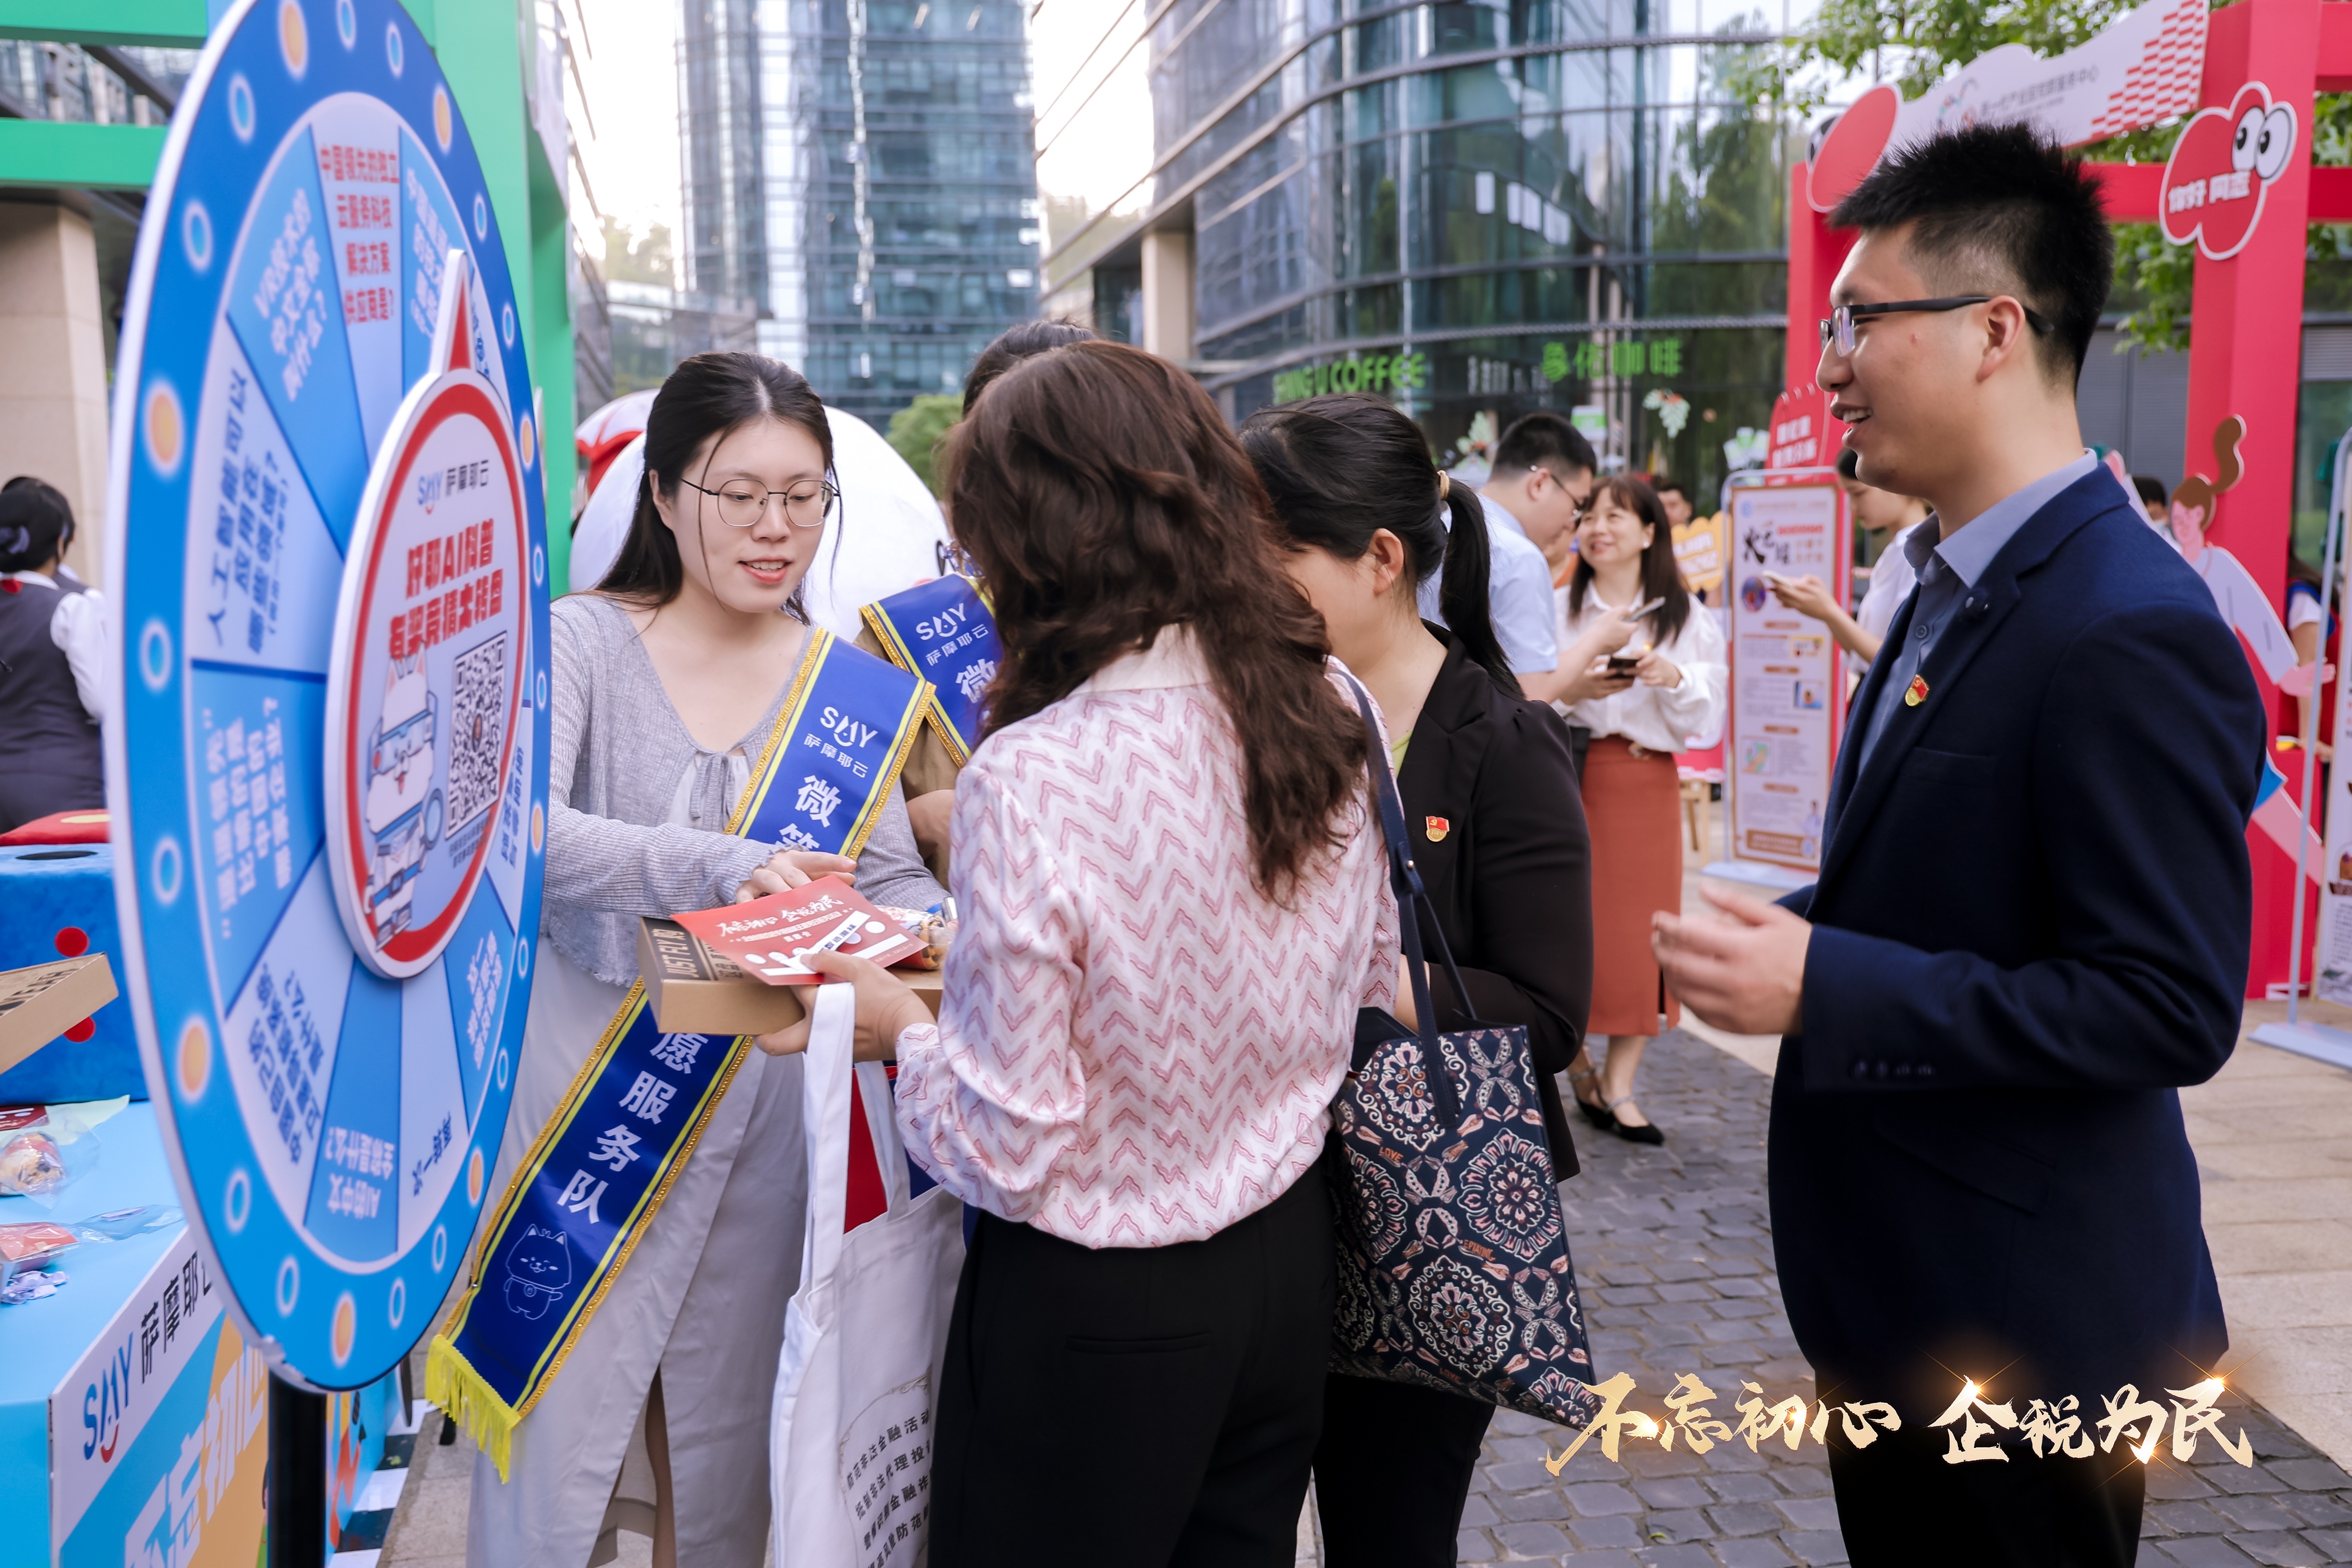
(2240, 198)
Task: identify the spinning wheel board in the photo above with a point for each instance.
(327, 558)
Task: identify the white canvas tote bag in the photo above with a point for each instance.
(854, 1425)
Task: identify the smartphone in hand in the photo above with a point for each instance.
(1624, 663)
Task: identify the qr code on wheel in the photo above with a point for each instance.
(477, 729)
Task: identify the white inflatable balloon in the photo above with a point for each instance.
(885, 537)
(605, 521)
(888, 529)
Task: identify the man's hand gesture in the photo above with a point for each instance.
(1745, 974)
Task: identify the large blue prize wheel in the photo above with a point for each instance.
(334, 1118)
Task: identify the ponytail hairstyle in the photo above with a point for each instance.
(706, 398)
(36, 524)
(1103, 498)
(1662, 578)
(1343, 467)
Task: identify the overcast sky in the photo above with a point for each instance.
(631, 81)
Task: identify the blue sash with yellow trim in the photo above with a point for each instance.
(600, 1169)
(944, 632)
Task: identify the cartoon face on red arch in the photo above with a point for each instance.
(2225, 161)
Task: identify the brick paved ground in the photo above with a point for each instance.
(1673, 1248)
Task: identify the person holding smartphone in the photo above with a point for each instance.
(1668, 675)
(1888, 519)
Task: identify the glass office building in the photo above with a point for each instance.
(862, 172)
(1478, 209)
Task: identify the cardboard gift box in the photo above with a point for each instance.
(57, 901)
(695, 990)
(39, 1004)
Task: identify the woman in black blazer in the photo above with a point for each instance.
(1498, 824)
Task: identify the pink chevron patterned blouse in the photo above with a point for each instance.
(1137, 1048)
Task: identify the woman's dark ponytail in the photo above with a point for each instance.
(1465, 594)
(1343, 467)
(36, 524)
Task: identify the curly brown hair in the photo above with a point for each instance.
(1102, 498)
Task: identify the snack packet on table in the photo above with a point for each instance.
(45, 1149)
(34, 1245)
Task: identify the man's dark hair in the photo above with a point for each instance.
(1016, 343)
(1670, 487)
(2151, 489)
(1544, 440)
(1996, 209)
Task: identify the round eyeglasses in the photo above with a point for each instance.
(741, 504)
(1839, 327)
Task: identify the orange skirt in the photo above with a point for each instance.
(1632, 808)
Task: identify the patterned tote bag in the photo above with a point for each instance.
(1454, 1265)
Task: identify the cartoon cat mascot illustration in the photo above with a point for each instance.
(538, 1271)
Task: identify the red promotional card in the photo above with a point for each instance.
(766, 937)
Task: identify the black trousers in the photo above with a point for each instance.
(1134, 1405)
(1901, 1506)
(1393, 1470)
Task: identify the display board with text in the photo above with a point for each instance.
(2331, 959)
(1788, 674)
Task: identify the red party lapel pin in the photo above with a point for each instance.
(1436, 829)
(1915, 693)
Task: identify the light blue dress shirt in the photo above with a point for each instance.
(1518, 594)
(1947, 569)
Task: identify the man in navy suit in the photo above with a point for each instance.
(2032, 920)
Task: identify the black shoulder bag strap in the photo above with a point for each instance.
(1410, 899)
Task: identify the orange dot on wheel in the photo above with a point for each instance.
(82, 1030)
(72, 941)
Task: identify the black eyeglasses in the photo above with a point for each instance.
(741, 504)
(1839, 328)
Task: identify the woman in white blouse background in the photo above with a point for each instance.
(1173, 903)
(1626, 560)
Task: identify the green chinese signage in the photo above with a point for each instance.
(1658, 356)
(1381, 373)
(1398, 373)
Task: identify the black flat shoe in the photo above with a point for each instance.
(1642, 1132)
(1599, 1115)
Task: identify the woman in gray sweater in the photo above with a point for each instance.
(668, 681)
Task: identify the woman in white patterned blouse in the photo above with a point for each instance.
(1173, 903)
